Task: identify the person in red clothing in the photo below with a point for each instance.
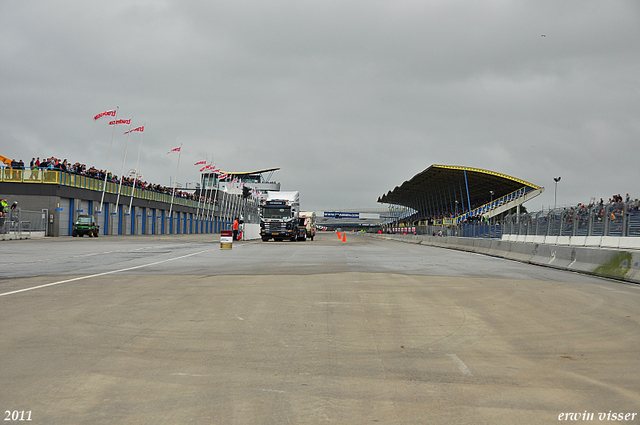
(236, 226)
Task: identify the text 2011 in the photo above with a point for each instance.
(17, 415)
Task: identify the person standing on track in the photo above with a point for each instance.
(236, 226)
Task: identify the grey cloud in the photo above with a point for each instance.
(368, 92)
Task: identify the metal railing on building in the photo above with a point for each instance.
(63, 178)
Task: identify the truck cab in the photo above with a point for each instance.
(279, 217)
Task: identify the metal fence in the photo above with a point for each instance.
(19, 223)
(616, 219)
(611, 220)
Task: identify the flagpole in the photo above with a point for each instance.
(211, 214)
(214, 198)
(135, 178)
(126, 145)
(173, 192)
(200, 215)
(210, 205)
(104, 185)
(205, 203)
(205, 207)
(199, 199)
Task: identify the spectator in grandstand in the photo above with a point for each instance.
(53, 163)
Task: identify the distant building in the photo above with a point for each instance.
(235, 180)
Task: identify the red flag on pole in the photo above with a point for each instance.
(200, 163)
(140, 129)
(126, 122)
(202, 169)
(174, 150)
(105, 114)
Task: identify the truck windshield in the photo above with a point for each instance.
(84, 220)
(279, 212)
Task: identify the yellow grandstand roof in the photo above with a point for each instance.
(445, 184)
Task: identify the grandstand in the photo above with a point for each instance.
(449, 195)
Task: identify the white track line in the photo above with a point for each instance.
(100, 274)
(463, 367)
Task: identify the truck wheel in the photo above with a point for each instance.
(74, 234)
(265, 239)
(96, 233)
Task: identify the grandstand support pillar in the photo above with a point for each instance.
(466, 183)
(518, 214)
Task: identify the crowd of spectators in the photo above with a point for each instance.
(615, 207)
(53, 163)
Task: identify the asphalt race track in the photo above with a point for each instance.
(174, 330)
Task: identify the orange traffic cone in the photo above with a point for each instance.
(339, 235)
(344, 237)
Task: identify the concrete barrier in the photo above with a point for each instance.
(496, 248)
(482, 246)
(465, 244)
(610, 242)
(250, 231)
(578, 241)
(610, 263)
(630, 243)
(520, 252)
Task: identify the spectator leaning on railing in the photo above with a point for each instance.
(53, 163)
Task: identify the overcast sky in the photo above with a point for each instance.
(348, 98)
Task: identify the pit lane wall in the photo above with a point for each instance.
(612, 263)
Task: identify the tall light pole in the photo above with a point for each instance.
(555, 192)
(491, 202)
